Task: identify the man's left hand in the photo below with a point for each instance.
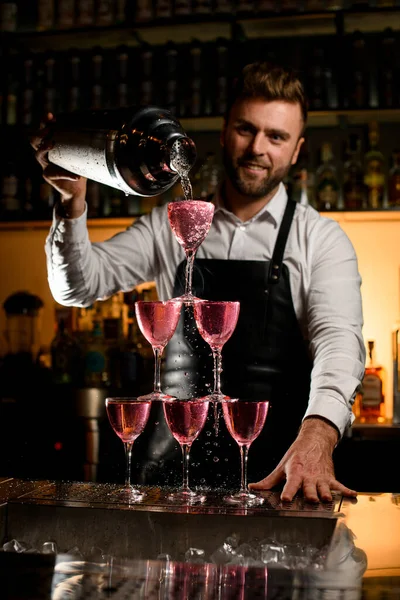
(308, 465)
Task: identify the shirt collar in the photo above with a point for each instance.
(274, 208)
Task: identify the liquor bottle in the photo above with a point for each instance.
(388, 49)
(149, 148)
(45, 15)
(66, 357)
(10, 202)
(104, 16)
(374, 170)
(95, 360)
(50, 95)
(394, 181)
(370, 400)
(183, 8)
(97, 91)
(123, 75)
(354, 191)
(396, 373)
(222, 51)
(207, 177)
(8, 16)
(328, 192)
(144, 11)
(195, 77)
(359, 74)
(163, 9)
(73, 81)
(302, 179)
(26, 109)
(86, 13)
(171, 78)
(65, 14)
(146, 55)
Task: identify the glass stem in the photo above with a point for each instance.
(190, 254)
(157, 369)
(185, 454)
(217, 356)
(128, 458)
(244, 452)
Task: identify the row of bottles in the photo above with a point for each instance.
(102, 346)
(45, 15)
(357, 181)
(356, 71)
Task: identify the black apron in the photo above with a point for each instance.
(266, 359)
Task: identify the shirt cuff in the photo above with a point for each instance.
(332, 409)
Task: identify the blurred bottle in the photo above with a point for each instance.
(195, 77)
(50, 86)
(396, 372)
(65, 14)
(328, 192)
(394, 181)
(146, 86)
(8, 16)
(354, 191)
(144, 11)
(374, 170)
(66, 357)
(123, 76)
(104, 15)
(389, 69)
(73, 81)
(10, 201)
(97, 79)
(207, 177)
(358, 84)
(95, 360)
(27, 97)
(45, 15)
(170, 81)
(222, 75)
(85, 13)
(369, 406)
(302, 179)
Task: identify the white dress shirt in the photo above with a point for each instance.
(321, 260)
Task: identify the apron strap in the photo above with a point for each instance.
(275, 265)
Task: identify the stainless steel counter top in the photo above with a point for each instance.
(361, 539)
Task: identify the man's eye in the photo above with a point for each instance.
(243, 129)
(276, 137)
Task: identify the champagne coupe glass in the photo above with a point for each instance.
(128, 417)
(190, 221)
(216, 321)
(157, 321)
(185, 420)
(244, 420)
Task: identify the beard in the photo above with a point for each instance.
(248, 187)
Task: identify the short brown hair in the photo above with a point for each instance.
(270, 82)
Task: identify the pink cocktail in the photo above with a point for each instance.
(157, 321)
(185, 420)
(128, 417)
(190, 221)
(244, 421)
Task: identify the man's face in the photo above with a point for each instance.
(260, 140)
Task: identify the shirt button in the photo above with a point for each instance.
(242, 227)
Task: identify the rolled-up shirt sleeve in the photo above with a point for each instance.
(81, 272)
(335, 320)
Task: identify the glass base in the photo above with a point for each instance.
(244, 498)
(186, 497)
(127, 495)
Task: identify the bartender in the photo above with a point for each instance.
(298, 342)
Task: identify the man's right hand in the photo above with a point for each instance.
(71, 187)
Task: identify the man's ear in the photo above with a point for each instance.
(297, 150)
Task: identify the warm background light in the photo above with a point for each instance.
(376, 238)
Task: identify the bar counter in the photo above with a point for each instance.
(155, 549)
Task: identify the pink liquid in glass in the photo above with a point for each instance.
(158, 320)
(185, 418)
(128, 418)
(216, 321)
(190, 221)
(245, 420)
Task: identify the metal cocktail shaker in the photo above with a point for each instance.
(139, 150)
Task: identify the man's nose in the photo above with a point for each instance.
(258, 144)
